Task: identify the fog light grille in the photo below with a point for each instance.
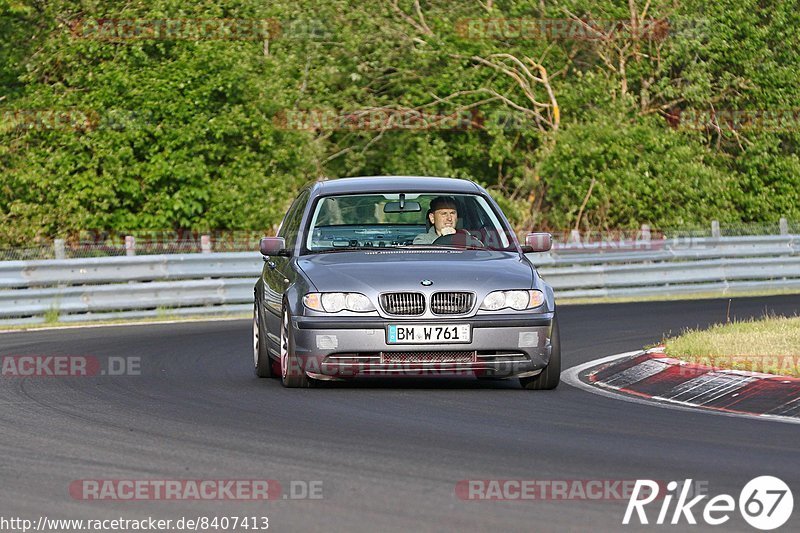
(428, 357)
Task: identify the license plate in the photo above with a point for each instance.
(428, 334)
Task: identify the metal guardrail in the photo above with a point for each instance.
(678, 249)
(14, 274)
(107, 288)
(222, 283)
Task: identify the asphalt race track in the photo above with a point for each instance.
(388, 453)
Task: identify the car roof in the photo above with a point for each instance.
(394, 184)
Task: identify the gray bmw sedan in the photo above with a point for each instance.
(402, 276)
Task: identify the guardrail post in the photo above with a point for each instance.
(715, 234)
(205, 244)
(784, 224)
(58, 249)
(130, 245)
(646, 232)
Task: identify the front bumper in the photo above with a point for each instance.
(347, 347)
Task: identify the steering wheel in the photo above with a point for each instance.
(460, 238)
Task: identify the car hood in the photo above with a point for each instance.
(404, 270)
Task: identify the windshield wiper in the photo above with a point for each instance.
(354, 249)
(443, 247)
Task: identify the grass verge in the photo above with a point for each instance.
(770, 345)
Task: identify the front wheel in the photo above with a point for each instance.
(292, 373)
(550, 376)
(262, 363)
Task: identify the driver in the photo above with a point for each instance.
(442, 217)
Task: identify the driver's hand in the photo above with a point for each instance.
(447, 230)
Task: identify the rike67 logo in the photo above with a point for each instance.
(765, 503)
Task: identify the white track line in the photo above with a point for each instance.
(570, 376)
(81, 325)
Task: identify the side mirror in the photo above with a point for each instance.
(272, 245)
(539, 242)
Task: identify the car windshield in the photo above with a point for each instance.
(374, 221)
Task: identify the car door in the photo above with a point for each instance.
(278, 272)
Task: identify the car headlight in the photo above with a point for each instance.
(333, 302)
(519, 300)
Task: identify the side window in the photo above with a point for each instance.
(291, 223)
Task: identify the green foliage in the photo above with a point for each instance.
(642, 173)
(133, 134)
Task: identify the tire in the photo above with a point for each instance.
(262, 365)
(292, 375)
(550, 376)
